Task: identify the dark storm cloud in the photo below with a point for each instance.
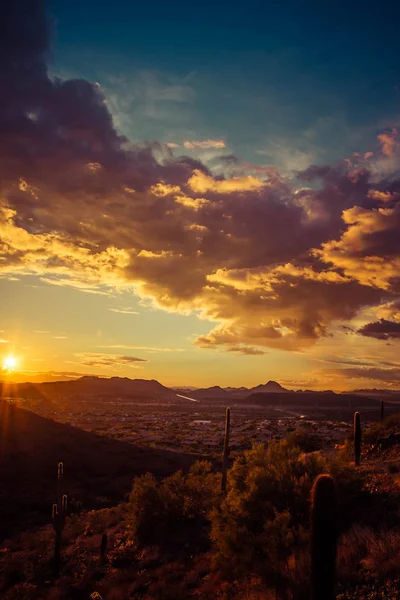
(381, 330)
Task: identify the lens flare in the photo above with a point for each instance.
(10, 363)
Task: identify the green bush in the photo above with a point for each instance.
(146, 508)
(305, 441)
(262, 518)
(390, 424)
(159, 508)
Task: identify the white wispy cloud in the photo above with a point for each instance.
(145, 348)
(124, 311)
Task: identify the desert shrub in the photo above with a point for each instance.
(202, 489)
(390, 424)
(262, 524)
(124, 553)
(146, 514)
(157, 508)
(364, 553)
(305, 441)
(383, 556)
(262, 518)
(350, 490)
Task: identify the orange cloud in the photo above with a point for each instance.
(381, 196)
(205, 144)
(389, 143)
(162, 189)
(365, 249)
(194, 203)
(202, 183)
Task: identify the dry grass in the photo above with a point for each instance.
(364, 550)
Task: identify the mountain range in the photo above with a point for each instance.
(231, 392)
(150, 389)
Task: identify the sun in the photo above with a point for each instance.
(10, 363)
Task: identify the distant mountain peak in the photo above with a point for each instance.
(270, 386)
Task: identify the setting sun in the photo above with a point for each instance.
(10, 363)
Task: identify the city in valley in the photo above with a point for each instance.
(191, 420)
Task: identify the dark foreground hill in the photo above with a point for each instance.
(98, 470)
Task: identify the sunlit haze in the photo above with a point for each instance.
(220, 210)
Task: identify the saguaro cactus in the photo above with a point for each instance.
(103, 548)
(59, 516)
(225, 454)
(357, 438)
(382, 410)
(323, 538)
(60, 478)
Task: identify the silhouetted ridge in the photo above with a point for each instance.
(95, 466)
(91, 384)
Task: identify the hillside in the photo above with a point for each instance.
(98, 470)
(90, 386)
(181, 539)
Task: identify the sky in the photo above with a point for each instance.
(200, 194)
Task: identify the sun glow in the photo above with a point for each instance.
(10, 363)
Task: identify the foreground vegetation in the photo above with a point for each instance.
(182, 537)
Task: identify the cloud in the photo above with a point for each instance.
(202, 183)
(389, 143)
(247, 350)
(369, 249)
(96, 359)
(382, 196)
(43, 376)
(205, 144)
(124, 311)
(386, 376)
(145, 348)
(381, 330)
(273, 260)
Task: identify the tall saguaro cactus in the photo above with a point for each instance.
(60, 479)
(225, 454)
(323, 538)
(382, 410)
(357, 438)
(59, 515)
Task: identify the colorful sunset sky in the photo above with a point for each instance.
(201, 193)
